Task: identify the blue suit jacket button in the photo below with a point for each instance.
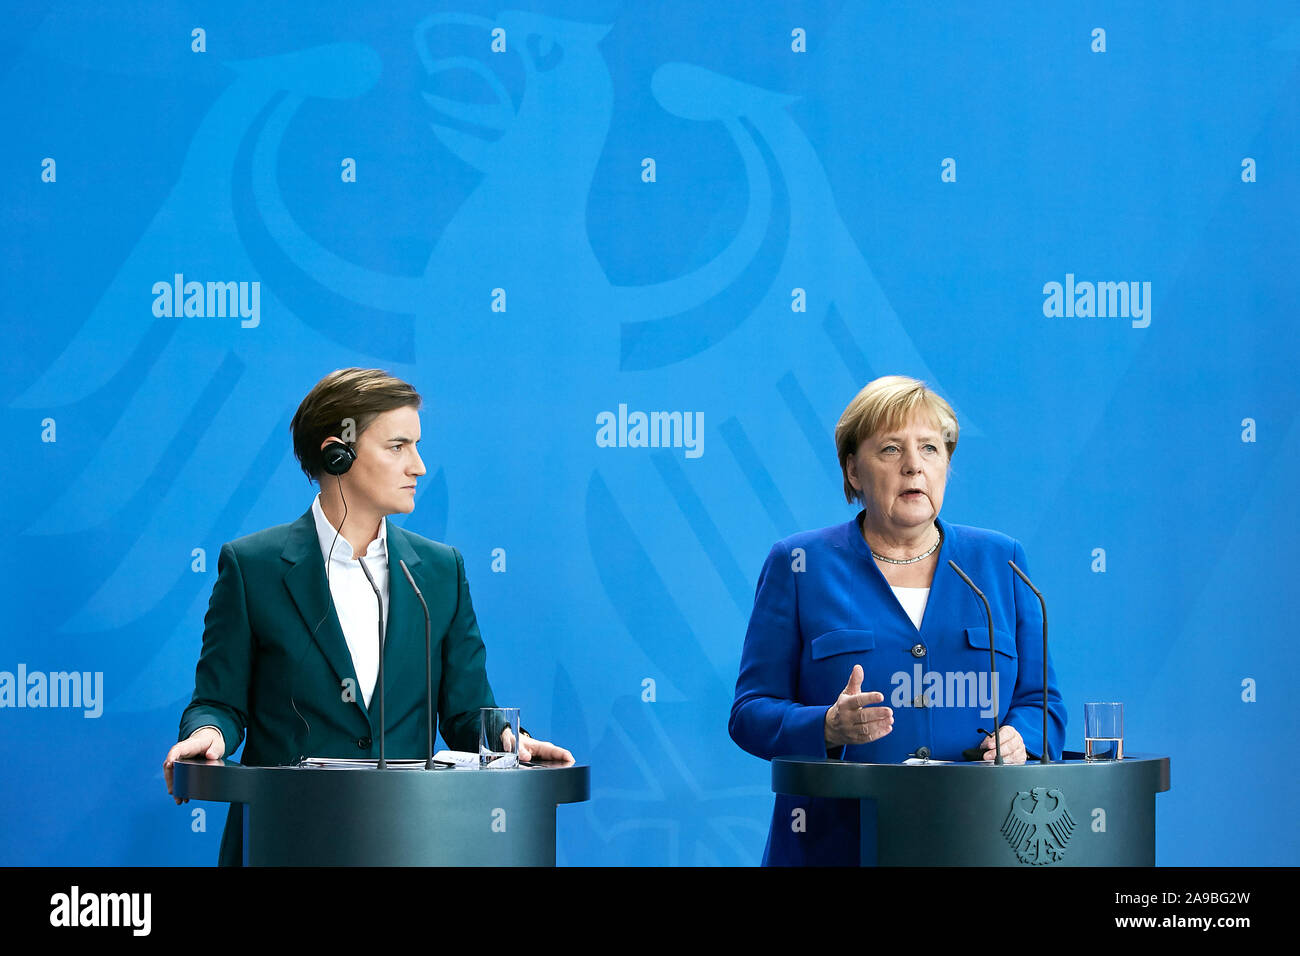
(364, 743)
(918, 650)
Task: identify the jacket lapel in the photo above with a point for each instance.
(304, 578)
(405, 626)
(946, 589)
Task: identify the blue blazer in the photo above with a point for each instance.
(275, 663)
(822, 606)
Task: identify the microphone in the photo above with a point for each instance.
(1044, 758)
(383, 764)
(993, 667)
(428, 662)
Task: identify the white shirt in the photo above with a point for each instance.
(912, 599)
(354, 600)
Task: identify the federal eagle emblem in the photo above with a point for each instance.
(1038, 826)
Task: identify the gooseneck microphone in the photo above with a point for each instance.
(428, 662)
(1045, 758)
(379, 689)
(993, 667)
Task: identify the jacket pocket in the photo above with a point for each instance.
(841, 642)
(1003, 641)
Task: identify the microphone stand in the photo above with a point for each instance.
(1043, 604)
(383, 764)
(428, 662)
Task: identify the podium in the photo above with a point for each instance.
(305, 816)
(1068, 813)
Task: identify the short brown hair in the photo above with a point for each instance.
(889, 402)
(355, 395)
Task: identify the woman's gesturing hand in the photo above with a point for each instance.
(852, 719)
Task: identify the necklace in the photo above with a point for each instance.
(919, 557)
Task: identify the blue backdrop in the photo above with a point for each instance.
(741, 212)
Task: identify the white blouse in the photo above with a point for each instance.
(913, 601)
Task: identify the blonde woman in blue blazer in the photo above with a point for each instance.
(850, 621)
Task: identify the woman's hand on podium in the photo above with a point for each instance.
(1013, 745)
(530, 749)
(206, 742)
(852, 719)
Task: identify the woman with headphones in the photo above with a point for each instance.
(291, 642)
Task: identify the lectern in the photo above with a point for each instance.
(309, 816)
(1069, 813)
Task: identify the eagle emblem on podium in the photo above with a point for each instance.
(1038, 825)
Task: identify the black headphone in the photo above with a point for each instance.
(337, 457)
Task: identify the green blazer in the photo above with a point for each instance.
(272, 644)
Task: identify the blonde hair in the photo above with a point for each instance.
(889, 402)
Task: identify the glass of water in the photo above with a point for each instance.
(493, 752)
(1103, 731)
